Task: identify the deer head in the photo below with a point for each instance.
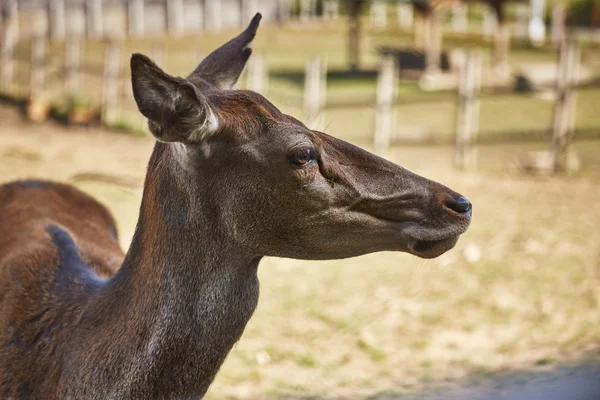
(278, 188)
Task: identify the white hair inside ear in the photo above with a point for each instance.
(210, 125)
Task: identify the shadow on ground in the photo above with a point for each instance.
(567, 383)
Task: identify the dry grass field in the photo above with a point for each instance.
(521, 290)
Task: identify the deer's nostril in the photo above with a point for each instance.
(462, 205)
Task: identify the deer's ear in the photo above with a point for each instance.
(223, 67)
(176, 110)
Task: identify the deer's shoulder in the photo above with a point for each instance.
(35, 212)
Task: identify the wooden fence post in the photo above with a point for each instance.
(387, 82)
(72, 61)
(405, 15)
(308, 10)
(467, 119)
(175, 17)
(257, 74)
(312, 9)
(110, 90)
(378, 14)
(460, 22)
(247, 10)
(559, 14)
(94, 18)
(330, 9)
(501, 49)
(537, 28)
(135, 17)
(38, 62)
(10, 36)
(304, 10)
(213, 15)
(564, 110)
(10, 17)
(522, 12)
(353, 42)
(283, 11)
(314, 90)
(56, 14)
(433, 43)
(421, 30)
(489, 22)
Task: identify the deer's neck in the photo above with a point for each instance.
(189, 292)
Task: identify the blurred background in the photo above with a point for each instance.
(499, 100)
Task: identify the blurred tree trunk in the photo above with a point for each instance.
(354, 11)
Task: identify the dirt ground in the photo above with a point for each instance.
(520, 292)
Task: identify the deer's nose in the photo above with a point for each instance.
(462, 205)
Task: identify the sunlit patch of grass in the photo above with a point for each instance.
(306, 361)
(420, 344)
(506, 348)
(545, 361)
(375, 354)
(386, 395)
(334, 322)
(122, 124)
(477, 373)
(432, 318)
(16, 153)
(255, 376)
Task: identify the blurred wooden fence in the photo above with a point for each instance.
(45, 73)
(67, 68)
(466, 98)
(121, 18)
(41, 62)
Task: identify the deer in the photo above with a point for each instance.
(231, 180)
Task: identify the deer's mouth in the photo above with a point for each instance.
(431, 248)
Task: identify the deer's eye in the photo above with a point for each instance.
(302, 157)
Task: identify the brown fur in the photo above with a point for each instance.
(27, 206)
